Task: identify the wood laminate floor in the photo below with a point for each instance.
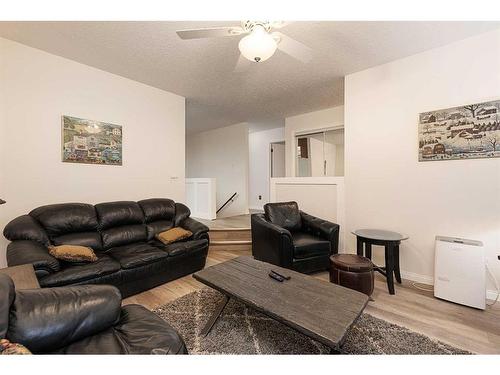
(460, 326)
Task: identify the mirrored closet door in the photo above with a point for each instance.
(320, 153)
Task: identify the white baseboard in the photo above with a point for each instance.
(491, 294)
(429, 280)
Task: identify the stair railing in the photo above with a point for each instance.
(230, 200)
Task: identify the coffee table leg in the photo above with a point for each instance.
(389, 267)
(397, 272)
(218, 310)
(359, 247)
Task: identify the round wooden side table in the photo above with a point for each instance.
(391, 241)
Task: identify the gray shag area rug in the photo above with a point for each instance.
(242, 330)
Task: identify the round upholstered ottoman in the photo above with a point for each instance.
(352, 271)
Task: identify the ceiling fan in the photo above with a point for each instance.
(259, 44)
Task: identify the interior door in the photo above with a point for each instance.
(278, 159)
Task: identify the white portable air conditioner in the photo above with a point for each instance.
(459, 271)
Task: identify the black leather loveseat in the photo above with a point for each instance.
(122, 234)
(86, 319)
(290, 238)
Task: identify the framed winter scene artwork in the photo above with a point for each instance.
(91, 142)
(468, 132)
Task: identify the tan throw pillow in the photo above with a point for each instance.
(73, 253)
(7, 347)
(173, 235)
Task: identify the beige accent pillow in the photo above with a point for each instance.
(7, 347)
(173, 235)
(73, 253)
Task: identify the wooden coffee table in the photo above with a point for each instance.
(23, 276)
(316, 308)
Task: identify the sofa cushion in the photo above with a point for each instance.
(136, 254)
(157, 209)
(76, 273)
(183, 247)
(123, 235)
(115, 214)
(59, 219)
(128, 336)
(156, 227)
(284, 214)
(306, 246)
(90, 239)
(158, 215)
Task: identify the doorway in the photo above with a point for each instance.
(277, 157)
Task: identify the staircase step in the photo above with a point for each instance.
(234, 242)
(236, 234)
(231, 245)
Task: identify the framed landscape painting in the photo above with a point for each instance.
(91, 142)
(467, 132)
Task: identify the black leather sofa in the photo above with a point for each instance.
(122, 235)
(85, 319)
(290, 238)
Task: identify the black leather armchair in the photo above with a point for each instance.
(290, 238)
(82, 320)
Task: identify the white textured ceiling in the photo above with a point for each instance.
(202, 70)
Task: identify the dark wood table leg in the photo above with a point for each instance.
(218, 310)
(397, 271)
(359, 246)
(389, 267)
(368, 250)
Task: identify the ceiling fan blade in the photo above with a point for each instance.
(293, 47)
(242, 65)
(279, 24)
(212, 32)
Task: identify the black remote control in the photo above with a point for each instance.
(280, 275)
(276, 277)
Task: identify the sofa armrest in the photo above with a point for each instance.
(271, 243)
(323, 229)
(198, 229)
(25, 228)
(50, 318)
(182, 212)
(32, 252)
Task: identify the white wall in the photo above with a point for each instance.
(311, 121)
(222, 153)
(386, 187)
(260, 173)
(36, 88)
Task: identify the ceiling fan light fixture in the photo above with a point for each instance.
(258, 46)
